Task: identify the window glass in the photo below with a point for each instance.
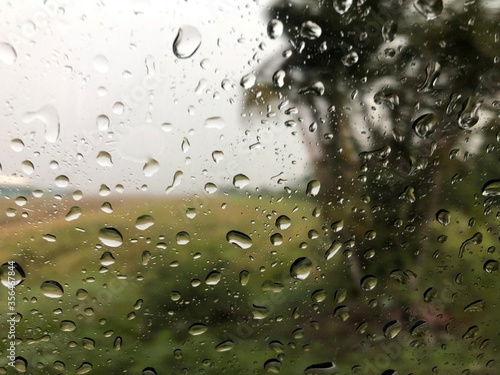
(248, 187)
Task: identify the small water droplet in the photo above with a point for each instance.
(102, 122)
(240, 181)
(274, 28)
(17, 145)
(301, 268)
(52, 289)
(197, 329)
(310, 30)
(144, 222)
(321, 368)
(110, 237)
(11, 274)
(239, 239)
(84, 368)
(425, 125)
(117, 344)
(187, 42)
(210, 188)
(8, 54)
(430, 9)
(107, 259)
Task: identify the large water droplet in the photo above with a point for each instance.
(248, 81)
(342, 6)
(476, 306)
(52, 289)
(430, 9)
(274, 28)
(84, 368)
(310, 30)
(74, 213)
(182, 238)
(11, 274)
(151, 167)
(104, 159)
(149, 371)
(67, 326)
(21, 364)
(491, 188)
(101, 63)
(176, 181)
(283, 222)
(239, 239)
(197, 329)
(443, 217)
(332, 250)
(388, 98)
(244, 277)
(368, 282)
(210, 188)
(107, 259)
(144, 222)
(17, 145)
(272, 366)
(240, 181)
(389, 30)
(468, 116)
(476, 239)
(110, 237)
(425, 125)
(392, 329)
(301, 268)
(213, 278)
(49, 117)
(215, 123)
(187, 42)
(350, 59)
(321, 368)
(432, 71)
(279, 78)
(490, 266)
(8, 54)
(224, 346)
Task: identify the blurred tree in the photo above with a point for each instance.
(400, 98)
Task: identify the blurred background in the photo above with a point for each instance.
(296, 187)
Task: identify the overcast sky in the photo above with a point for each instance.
(76, 64)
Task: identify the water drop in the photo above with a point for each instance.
(248, 81)
(49, 117)
(110, 237)
(310, 30)
(276, 239)
(476, 239)
(491, 188)
(301, 268)
(197, 329)
(244, 277)
(8, 54)
(317, 88)
(225, 346)
(368, 282)
(283, 222)
(21, 364)
(175, 182)
(185, 146)
(388, 98)
(318, 296)
(62, 181)
(84, 368)
(17, 145)
(187, 42)
(213, 278)
(102, 123)
(149, 371)
(274, 28)
(217, 156)
(239, 239)
(182, 238)
(215, 123)
(272, 366)
(151, 167)
(101, 64)
(240, 181)
(104, 159)
(74, 213)
(117, 344)
(321, 368)
(107, 259)
(210, 188)
(144, 222)
(425, 125)
(279, 78)
(350, 59)
(476, 306)
(389, 30)
(491, 266)
(146, 257)
(468, 116)
(420, 328)
(11, 274)
(443, 217)
(52, 289)
(432, 71)
(342, 6)
(118, 108)
(392, 329)
(430, 9)
(49, 237)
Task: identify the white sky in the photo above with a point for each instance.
(75, 62)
